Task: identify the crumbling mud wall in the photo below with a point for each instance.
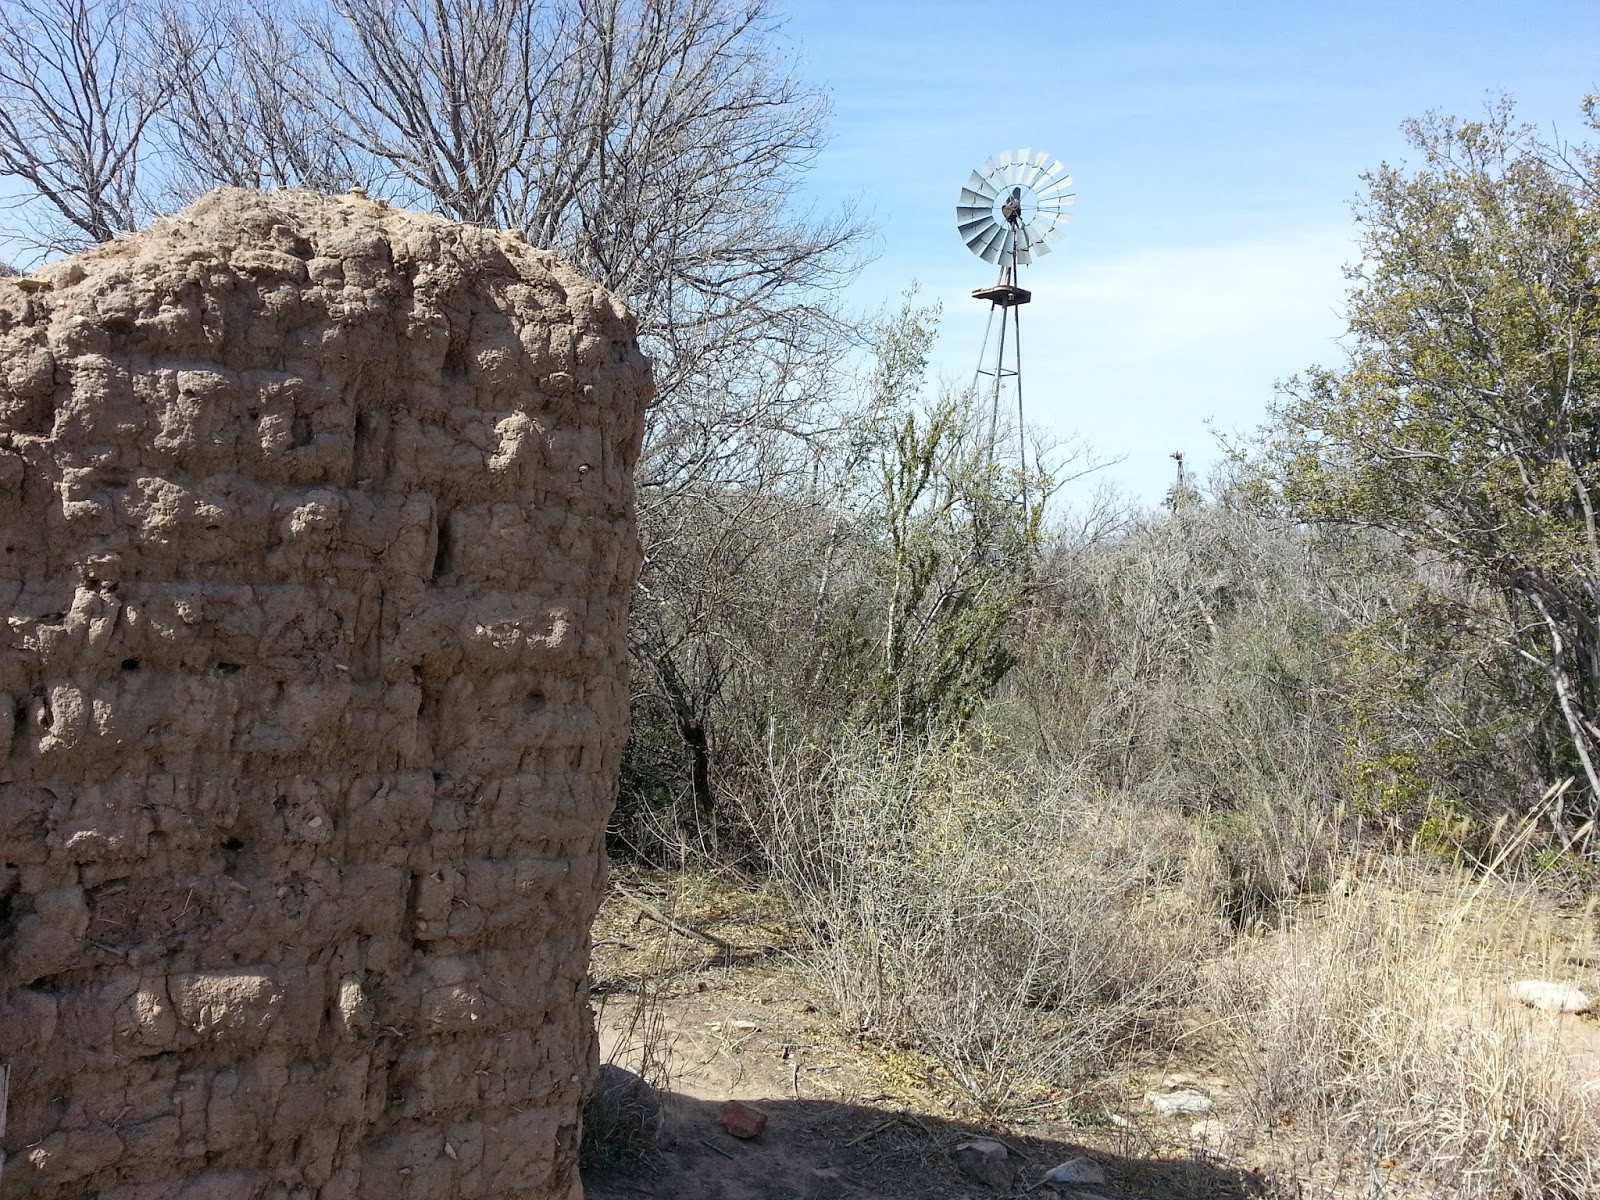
(315, 547)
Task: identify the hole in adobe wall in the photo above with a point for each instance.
(535, 702)
(441, 554)
(228, 668)
(301, 433)
(370, 431)
(38, 418)
(455, 356)
(131, 664)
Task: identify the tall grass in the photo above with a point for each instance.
(1382, 1023)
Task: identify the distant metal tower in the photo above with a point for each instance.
(1010, 213)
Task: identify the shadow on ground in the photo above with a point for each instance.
(826, 1150)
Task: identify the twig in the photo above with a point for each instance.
(717, 1148)
(655, 914)
(875, 1130)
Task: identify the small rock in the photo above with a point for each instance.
(1552, 997)
(1209, 1132)
(743, 1121)
(745, 1026)
(988, 1162)
(1172, 1104)
(1075, 1171)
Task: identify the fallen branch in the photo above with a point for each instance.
(876, 1129)
(655, 914)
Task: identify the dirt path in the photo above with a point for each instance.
(732, 1022)
(826, 1150)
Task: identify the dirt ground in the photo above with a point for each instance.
(734, 1021)
(697, 989)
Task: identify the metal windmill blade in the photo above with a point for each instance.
(1029, 185)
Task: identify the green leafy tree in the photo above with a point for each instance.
(948, 525)
(1466, 421)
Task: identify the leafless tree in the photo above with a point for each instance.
(78, 93)
(655, 144)
(245, 110)
(451, 95)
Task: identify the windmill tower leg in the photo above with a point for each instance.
(1016, 376)
(999, 384)
(1004, 370)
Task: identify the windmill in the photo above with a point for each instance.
(1011, 212)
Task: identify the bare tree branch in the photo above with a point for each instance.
(78, 91)
(246, 110)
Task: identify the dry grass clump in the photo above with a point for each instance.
(1014, 933)
(622, 1121)
(1382, 1023)
(631, 980)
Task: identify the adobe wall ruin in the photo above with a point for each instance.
(315, 543)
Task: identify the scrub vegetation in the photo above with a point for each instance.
(1312, 748)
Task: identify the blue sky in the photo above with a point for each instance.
(1216, 149)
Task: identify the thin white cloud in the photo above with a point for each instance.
(1172, 301)
(1140, 353)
